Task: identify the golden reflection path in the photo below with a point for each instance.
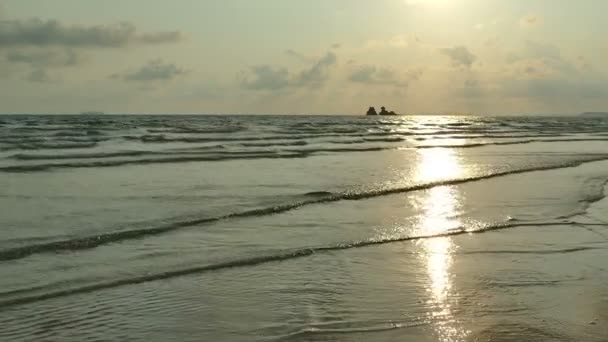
(438, 213)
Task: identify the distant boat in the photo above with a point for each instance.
(92, 113)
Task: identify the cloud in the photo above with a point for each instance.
(154, 70)
(39, 61)
(318, 73)
(266, 77)
(539, 77)
(299, 56)
(542, 59)
(460, 56)
(541, 50)
(582, 64)
(39, 76)
(37, 32)
(398, 41)
(370, 74)
(160, 37)
(530, 20)
(471, 83)
(473, 89)
(557, 90)
(44, 58)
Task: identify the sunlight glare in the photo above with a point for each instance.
(439, 214)
(438, 163)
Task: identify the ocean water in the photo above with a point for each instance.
(303, 228)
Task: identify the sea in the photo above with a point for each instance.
(303, 228)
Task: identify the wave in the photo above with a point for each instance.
(22, 156)
(77, 133)
(196, 130)
(459, 124)
(254, 261)
(318, 193)
(22, 140)
(539, 252)
(262, 144)
(50, 146)
(317, 198)
(389, 139)
(191, 152)
(518, 142)
(36, 142)
(595, 192)
(99, 155)
(217, 156)
(385, 136)
(316, 332)
(195, 156)
(165, 139)
(343, 149)
(389, 136)
(51, 128)
(347, 142)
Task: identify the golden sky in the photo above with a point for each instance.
(303, 56)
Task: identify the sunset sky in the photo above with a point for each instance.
(303, 56)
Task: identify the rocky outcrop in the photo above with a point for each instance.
(383, 111)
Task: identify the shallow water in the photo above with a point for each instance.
(303, 228)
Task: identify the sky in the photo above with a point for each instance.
(488, 57)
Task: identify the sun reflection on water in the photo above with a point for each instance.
(438, 214)
(438, 163)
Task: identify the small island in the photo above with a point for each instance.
(383, 111)
(92, 113)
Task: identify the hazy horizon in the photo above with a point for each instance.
(304, 57)
(309, 114)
